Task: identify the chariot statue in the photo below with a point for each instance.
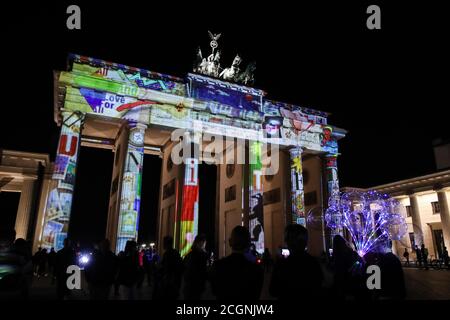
(210, 66)
(247, 77)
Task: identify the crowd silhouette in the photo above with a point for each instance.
(292, 273)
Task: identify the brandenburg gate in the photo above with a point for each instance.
(132, 112)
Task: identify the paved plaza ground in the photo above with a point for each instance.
(420, 284)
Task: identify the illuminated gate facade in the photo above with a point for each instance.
(134, 111)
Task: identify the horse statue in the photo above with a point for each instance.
(247, 77)
(232, 72)
(213, 66)
(200, 62)
(208, 66)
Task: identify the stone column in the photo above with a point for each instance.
(59, 202)
(445, 216)
(415, 216)
(45, 190)
(297, 193)
(130, 197)
(120, 155)
(256, 201)
(24, 209)
(333, 192)
(190, 193)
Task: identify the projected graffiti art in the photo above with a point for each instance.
(189, 211)
(297, 193)
(57, 214)
(143, 108)
(256, 216)
(131, 190)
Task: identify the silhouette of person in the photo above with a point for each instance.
(424, 254)
(267, 260)
(445, 257)
(169, 272)
(392, 278)
(154, 263)
(418, 255)
(195, 269)
(35, 260)
(129, 269)
(120, 257)
(21, 253)
(141, 273)
(51, 263)
(64, 258)
(101, 271)
(406, 256)
(22, 248)
(235, 277)
(299, 276)
(7, 237)
(42, 264)
(347, 266)
(147, 265)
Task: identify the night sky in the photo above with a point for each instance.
(386, 87)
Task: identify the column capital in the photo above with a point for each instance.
(295, 150)
(438, 188)
(67, 118)
(331, 155)
(141, 125)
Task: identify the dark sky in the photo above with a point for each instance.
(386, 87)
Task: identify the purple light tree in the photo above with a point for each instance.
(372, 219)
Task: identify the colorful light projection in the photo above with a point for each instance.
(370, 218)
(146, 111)
(130, 198)
(108, 104)
(189, 209)
(225, 93)
(136, 104)
(120, 91)
(256, 204)
(272, 127)
(333, 193)
(120, 73)
(59, 203)
(309, 136)
(297, 193)
(294, 112)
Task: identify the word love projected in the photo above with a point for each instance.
(110, 102)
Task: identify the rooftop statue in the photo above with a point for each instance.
(210, 66)
(232, 73)
(247, 76)
(214, 38)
